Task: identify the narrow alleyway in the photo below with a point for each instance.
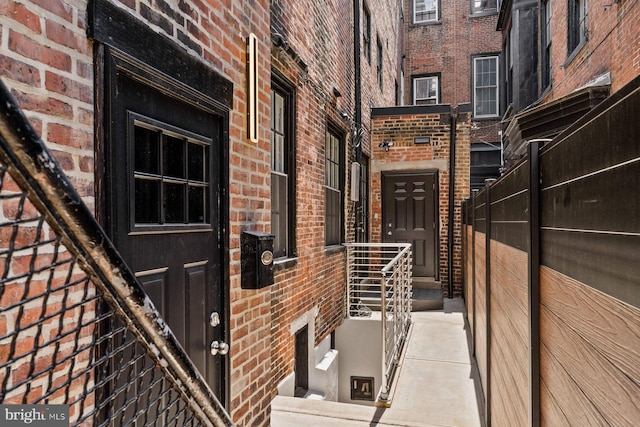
(437, 383)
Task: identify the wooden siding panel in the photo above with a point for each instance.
(610, 325)
(564, 392)
(550, 413)
(481, 312)
(469, 277)
(509, 335)
(589, 205)
(598, 386)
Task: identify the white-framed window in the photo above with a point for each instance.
(482, 6)
(426, 90)
(485, 86)
(425, 11)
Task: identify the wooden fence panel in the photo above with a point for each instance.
(481, 315)
(509, 335)
(469, 298)
(568, 222)
(593, 340)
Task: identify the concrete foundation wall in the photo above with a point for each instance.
(360, 347)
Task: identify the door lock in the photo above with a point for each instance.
(219, 347)
(214, 319)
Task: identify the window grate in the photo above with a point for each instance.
(75, 326)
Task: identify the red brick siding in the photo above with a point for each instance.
(46, 61)
(402, 129)
(320, 33)
(613, 45)
(447, 48)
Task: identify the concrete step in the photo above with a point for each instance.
(426, 283)
(424, 299)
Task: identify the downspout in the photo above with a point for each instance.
(452, 180)
(357, 116)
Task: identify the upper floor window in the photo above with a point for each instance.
(334, 184)
(481, 6)
(576, 24)
(485, 86)
(379, 65)
(545, 66)
(366, 33)
(282, 169)
(426, 90)
(425, 11)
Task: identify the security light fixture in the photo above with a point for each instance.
(386, 145)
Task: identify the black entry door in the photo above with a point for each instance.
(163, 174)
(409, 216)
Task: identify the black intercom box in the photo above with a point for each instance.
(256, 259)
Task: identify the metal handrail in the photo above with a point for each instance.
(389, 265)
(33, 168)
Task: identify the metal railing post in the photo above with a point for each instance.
(384, 390)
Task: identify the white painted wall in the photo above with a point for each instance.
(359, 344)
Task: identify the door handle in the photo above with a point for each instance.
(219, 347)
(389, 233)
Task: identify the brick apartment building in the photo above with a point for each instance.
(560, 60)
(452, 57)
(183, 124)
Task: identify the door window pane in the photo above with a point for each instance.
(146, 152)
(173, 156)
(170, 176)
(196, 156)
(197, 205)
(173, 203)
(147, 194)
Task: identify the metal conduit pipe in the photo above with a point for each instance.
(452, 180)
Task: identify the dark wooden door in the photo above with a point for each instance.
(163, 175)
(409, 216)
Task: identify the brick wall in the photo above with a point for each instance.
(613, 46)
(46, 60)
(405, 155)
(321, 35)
(447, 47)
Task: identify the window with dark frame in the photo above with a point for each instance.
(282, 169)
(508, 67)
(334, 183)
(545, 66)
(170, 176)
(425, 11)
(380, 61)
(366, 33)
(576, 24)
(485, 86)
(483, 6)
(426, 90)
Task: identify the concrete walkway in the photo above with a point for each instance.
(436, 385)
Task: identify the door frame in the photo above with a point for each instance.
(123, 45)
(386, 174)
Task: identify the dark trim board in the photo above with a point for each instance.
(114, 26)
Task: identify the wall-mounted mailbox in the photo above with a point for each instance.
(256, 259)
